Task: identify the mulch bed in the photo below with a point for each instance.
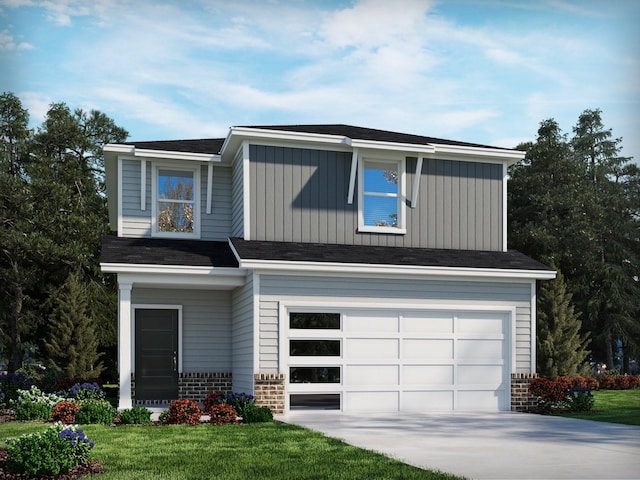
(93, 468)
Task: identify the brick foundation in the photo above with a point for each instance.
(521, 400)
(192, 385)
(269, 391)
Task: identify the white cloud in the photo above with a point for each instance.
(7, 42)
(37, 104)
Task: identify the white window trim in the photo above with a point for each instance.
(196, 201)
(402, 192)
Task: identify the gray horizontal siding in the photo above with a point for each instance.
(206, 325)
(301, 195)
(276, 288)
(242, 338)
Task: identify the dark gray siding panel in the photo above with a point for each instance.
(242, 337)
(300, 195)
(237, 197)
(217, 224)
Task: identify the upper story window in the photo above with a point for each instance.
(175, 206)
(381, 196)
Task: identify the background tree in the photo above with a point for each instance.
(72, 344)
(561, 347)
(576, 203)
(53, 215)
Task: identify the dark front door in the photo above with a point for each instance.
(156, 354)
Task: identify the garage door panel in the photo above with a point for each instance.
(381, 375)
(487, 349)
(363, 322)
(480, 325)
(480, 374)
(422, 348)
(378, 348)
(422, 323)
(488, 400)
(371, 401)
(427, 374)
(432, 401)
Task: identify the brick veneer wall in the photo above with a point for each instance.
(269, 391)
(521, 400)
(192, 385)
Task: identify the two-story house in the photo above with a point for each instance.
(322, 267)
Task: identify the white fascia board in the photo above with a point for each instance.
(480, 154)
(139, 268)
(164, 154)
(394, 270)
(409, 148)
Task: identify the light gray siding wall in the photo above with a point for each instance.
(136, 222)
(278, 288)
(242, 337)
(237, 197)
(206, 325)
(217, 224)
(301, 195)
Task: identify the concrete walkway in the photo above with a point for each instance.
(491, 446)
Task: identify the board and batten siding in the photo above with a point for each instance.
(237, 197)
(276, 288)
(137, 222)
(206, 325)
(242, 337)
(300, 195)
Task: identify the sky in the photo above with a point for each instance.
(482, 71)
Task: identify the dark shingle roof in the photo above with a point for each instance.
(214, 145)
(372, 255)
(371, 134)
(204, 145)
(157, 251)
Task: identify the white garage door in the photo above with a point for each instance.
(414, 361)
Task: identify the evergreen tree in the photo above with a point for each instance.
(561, 348)
(72, 345)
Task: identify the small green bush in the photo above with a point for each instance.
(136, 415)
(254, 414)
(87, 391)
(33, 404)
(579, 399)
(95, 411)
(56, 450)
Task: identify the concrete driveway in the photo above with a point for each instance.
(491, 445)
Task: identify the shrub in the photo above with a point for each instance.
(56, 450)
(607, 382)
(183, 412)
(239, 401)
(65, 412)
(212, 398)
(33, 404)
(135, 416)
(65, 383)
(222, 414)
(550, 392)
(86, 391)
(254, 414)
(95, 411)
(10, 383)
(579, 399)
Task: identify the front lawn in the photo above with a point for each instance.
(255, 451)
(614, 406)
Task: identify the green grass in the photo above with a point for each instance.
(613, 406)
(255, 451)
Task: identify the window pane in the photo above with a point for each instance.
(316, 348)
(175, 185)
(316, 401)
(315, 320)
(380, 211)
(175, 217)
(314, 375)
(381, 177)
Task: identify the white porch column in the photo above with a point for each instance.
(124, 343)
